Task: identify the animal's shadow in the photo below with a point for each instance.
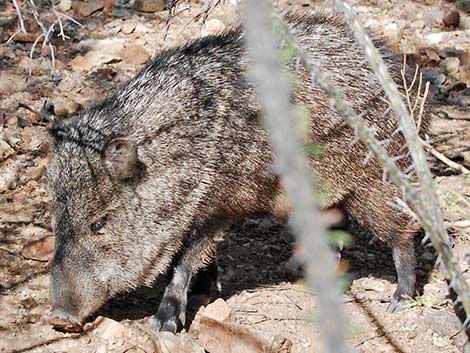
(258, 252)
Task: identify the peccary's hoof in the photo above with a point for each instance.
(170, 316)
(396, 305)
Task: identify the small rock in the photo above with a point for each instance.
(85, 9)
(452, 52)
(73, 107)
(433, 19)
(8, 180)
(21, 216)
(38, 171)
(39, 250)
(140, 28)
(98, 57)
(440, 341)
(218, 310)
(65, 5)
(135, 54)
(465, 74)
(29, 37)
(79, 63)
(223, 337)
(28, 303)
(103, 51)
(440, 79)
(463, 5)
(418, 24)
(213, 26)
(149, 5)
(5, 151)
(7, 53)
(128, 27)
(107, 328)
(432, 54)
(450, 65)
(109, 6)
(451, 18)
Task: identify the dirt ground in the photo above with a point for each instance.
(258, 282)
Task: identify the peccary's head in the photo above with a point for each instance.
(106, 239)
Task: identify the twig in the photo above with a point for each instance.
(20, 17)
(459, 224)
(42, 115)
(458, 167)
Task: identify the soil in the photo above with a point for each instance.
(258, 280)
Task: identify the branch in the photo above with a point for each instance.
(273, 88)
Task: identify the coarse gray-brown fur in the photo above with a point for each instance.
(147, 178)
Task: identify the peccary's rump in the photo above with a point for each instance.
(149, 176)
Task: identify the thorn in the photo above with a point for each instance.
(368, 158)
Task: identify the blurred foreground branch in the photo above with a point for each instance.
(273, 88)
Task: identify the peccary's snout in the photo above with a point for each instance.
(63, 295)
(75, 293)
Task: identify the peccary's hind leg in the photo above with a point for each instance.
(405, 263)
(372, 207)
(198, 253)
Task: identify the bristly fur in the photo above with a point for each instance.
(204, 159)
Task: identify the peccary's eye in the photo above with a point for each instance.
(97, 226)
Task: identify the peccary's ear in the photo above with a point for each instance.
(119, 158)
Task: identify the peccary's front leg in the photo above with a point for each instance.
(198, 253)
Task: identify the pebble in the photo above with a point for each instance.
(465, 74)
(433, 19)
(451, 18)
(79, 63)
(218, 310)
(85, 9)
(213, 26)
(463, 5)
(451, 65)
(7, 53)
(149, 5)
(65, 5)
(135, 54)
(128, 27)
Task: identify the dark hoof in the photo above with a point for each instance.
(396, 305)
(170, 316)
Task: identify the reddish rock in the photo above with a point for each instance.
(80, 63)
(218, 310)
(135, 54)
(85, 9)
(149, 5)
(41, 249)
(451, 18)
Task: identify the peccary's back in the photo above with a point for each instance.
(194, 110)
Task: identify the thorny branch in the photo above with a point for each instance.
(273, 89)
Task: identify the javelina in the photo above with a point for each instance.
(146, 179)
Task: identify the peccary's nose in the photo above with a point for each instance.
(65, 321)
(65, 315)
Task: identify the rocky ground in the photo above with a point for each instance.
(264, 302)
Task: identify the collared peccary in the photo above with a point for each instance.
(143, 182)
